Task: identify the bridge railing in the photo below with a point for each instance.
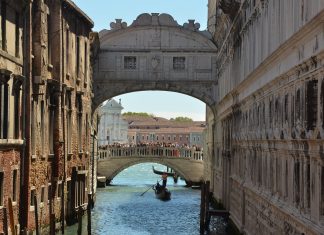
(190, 153)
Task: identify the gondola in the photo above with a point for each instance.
(172, 174)
(161, 192)
(161, 172)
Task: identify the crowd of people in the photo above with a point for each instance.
(151, 144)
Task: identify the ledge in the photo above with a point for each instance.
(11, 142)
(16, 60)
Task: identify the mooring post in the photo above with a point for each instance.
(80, 220)
(11, 217)
(36, 215)
(202, 209)
(89, 213)
(207, 218)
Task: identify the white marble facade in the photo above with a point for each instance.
(112, 128)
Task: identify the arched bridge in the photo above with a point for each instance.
(187, 162)
(155, 53)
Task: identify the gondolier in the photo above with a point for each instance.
(164, 179)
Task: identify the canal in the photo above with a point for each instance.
(120, 208)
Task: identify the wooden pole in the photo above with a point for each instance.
(89, 214)
(36, 215)
(5, 221)
(80, 220)
(11, 217)
(202, 209)
(207, 205)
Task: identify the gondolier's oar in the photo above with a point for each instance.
(149, 188)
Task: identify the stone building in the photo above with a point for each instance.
(112, 127)
(265, 134)
(161, 130)
(58, 114)
(12, 120)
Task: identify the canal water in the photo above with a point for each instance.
(121, 210)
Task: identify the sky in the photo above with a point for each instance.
(159, 103)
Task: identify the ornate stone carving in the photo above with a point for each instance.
(146, 19)
(230, 7)
(118, 25)
(155, 61)
(192, 25)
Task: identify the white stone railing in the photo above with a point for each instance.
(150, 151)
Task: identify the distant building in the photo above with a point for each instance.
(112, 128)
(156, 129)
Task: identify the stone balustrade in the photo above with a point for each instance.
(150, 151)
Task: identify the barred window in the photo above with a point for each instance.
(179, 63)
(129, 62)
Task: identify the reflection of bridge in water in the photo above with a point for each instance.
(187, 162)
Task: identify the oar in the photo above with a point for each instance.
(149, 188)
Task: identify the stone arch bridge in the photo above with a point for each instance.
(154, 53)
(188, 163)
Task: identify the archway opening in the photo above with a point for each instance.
(142, 174)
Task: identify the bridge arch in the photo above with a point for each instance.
(155, 53)
(136, 162)
(188, 163)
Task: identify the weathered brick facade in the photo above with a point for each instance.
(58, 114)
(11, 108)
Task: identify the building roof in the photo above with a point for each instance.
(80, 12)
(169, 130)
(112, 104)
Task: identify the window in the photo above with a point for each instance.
(59, 190)
(51, 118)
(286, 108)
(17, 34)
(297, 182)
(77, 56)
(1, 188)
(49, 192)
(67, 48)
(42, 194)
(3, 25)
(129, 62)
(42, 114)
(4, 89)
(311, 104)
(68, 106)
(85, 61)
(17, 113)
(14, 185)
(79, 110)
(32, 197)
(49, 41)
(179, 63)
(298, 105)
